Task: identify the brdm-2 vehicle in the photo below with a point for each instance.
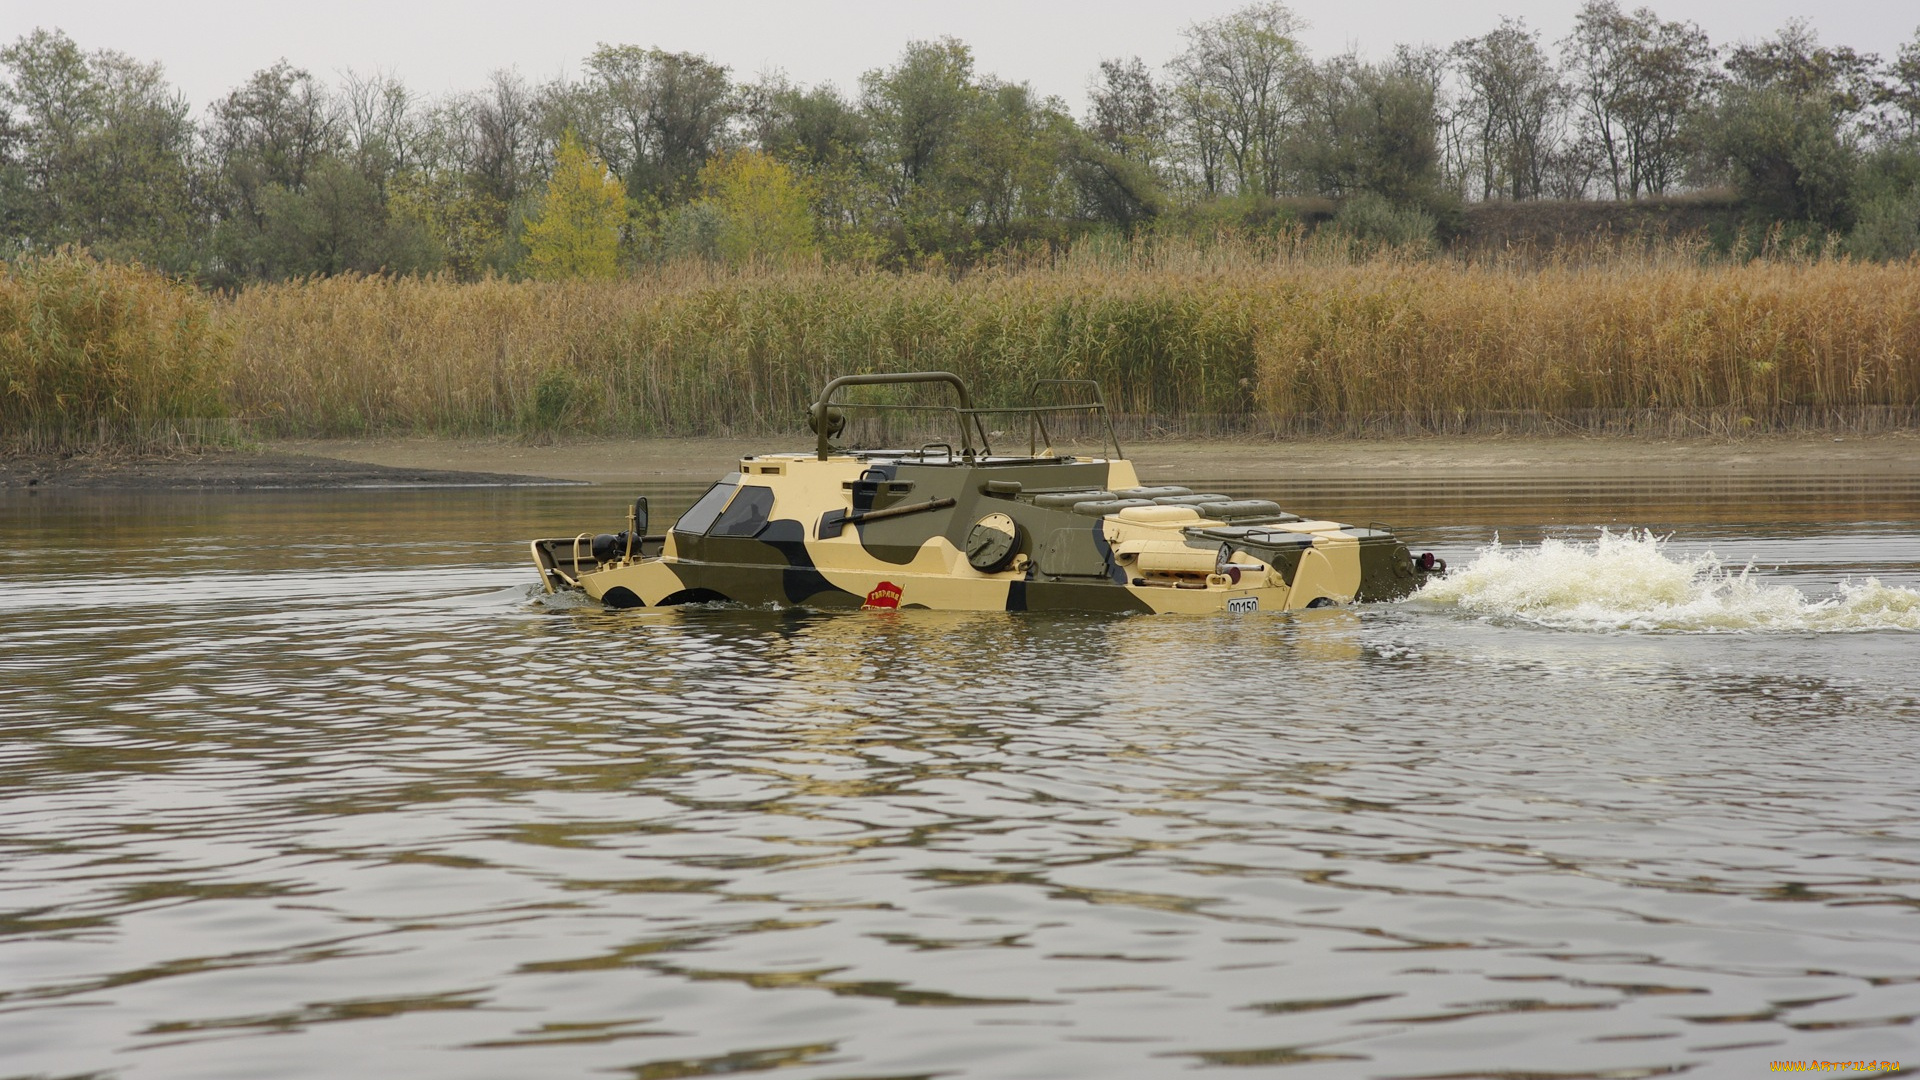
(960, 526)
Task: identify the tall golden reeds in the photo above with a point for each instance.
(707, 353)
(1772, 344)
(94, 352)
(1282, 334)
(1288, 336)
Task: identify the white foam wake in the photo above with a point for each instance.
(1628, 581)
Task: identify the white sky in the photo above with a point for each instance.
(436, 46)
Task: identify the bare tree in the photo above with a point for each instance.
(1129, 114)
(1634, 82)
(382, 124)
(1237, 86)
(1200, 138)
(502, 146)
(1513, 107)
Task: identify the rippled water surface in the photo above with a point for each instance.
(313, 785)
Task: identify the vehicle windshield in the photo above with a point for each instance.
(700, 515)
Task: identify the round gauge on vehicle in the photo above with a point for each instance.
(992, 543)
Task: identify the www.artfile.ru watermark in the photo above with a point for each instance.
(1835, 1066)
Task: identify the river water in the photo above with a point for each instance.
(315, 785)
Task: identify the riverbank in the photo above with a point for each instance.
(261, 469)
(424, 462)
(621, 461)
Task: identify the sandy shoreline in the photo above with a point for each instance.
(601, 461)
(423, 462)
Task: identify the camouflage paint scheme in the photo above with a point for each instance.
(766, 535)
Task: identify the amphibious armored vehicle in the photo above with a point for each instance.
(961, 526)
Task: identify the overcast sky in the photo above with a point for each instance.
(435, 46)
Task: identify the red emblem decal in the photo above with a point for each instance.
(884, 597)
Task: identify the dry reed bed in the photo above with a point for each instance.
(1252, 344)
(1188, 339)
(98, 348)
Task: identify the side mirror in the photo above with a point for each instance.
(637, 521)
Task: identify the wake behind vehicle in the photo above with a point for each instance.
(958, 526)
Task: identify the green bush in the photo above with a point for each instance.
(1888, 228)
(1374, 220)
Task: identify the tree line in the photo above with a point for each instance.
(649, 155)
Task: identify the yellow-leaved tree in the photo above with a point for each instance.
(575, 231)
(764, 211)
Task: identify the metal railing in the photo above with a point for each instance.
(827, 421)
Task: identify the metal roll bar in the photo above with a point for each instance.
(1037, 414)
(965, 411)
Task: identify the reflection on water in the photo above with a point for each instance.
(313, 785)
